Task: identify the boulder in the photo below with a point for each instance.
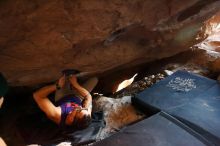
(40, 38)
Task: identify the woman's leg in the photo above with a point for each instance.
(66, 90)
(89, 85)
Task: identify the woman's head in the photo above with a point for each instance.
(78, 118)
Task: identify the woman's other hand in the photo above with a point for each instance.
(73, 80)
(61, 81)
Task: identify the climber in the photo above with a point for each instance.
(73, 103)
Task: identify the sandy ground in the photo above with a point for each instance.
(118, 113)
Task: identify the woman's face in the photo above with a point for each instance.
(75, 115)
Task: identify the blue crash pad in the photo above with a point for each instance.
(175, 90)
(158, 130)
(202, 113)
(193, 99)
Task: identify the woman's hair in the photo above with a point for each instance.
(82, 123)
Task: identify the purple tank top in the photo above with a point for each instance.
(67, 104)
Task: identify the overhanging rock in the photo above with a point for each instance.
(41, 38)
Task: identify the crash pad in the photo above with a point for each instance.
(175, 90)
(191, 98)
(158, 130)
(202, 113)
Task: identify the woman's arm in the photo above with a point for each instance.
(41, 98)
(87, 103)
(45, 104)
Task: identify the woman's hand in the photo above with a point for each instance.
(73, 80)
(61, 81)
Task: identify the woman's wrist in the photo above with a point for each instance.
(57, 86)
(75, 85)
(54, 87)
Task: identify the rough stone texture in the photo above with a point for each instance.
(212, 44)
(40, 38)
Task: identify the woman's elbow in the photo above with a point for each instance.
(88, 96)
(35, 95)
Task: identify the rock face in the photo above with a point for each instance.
(40, 38)
(212, 44)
